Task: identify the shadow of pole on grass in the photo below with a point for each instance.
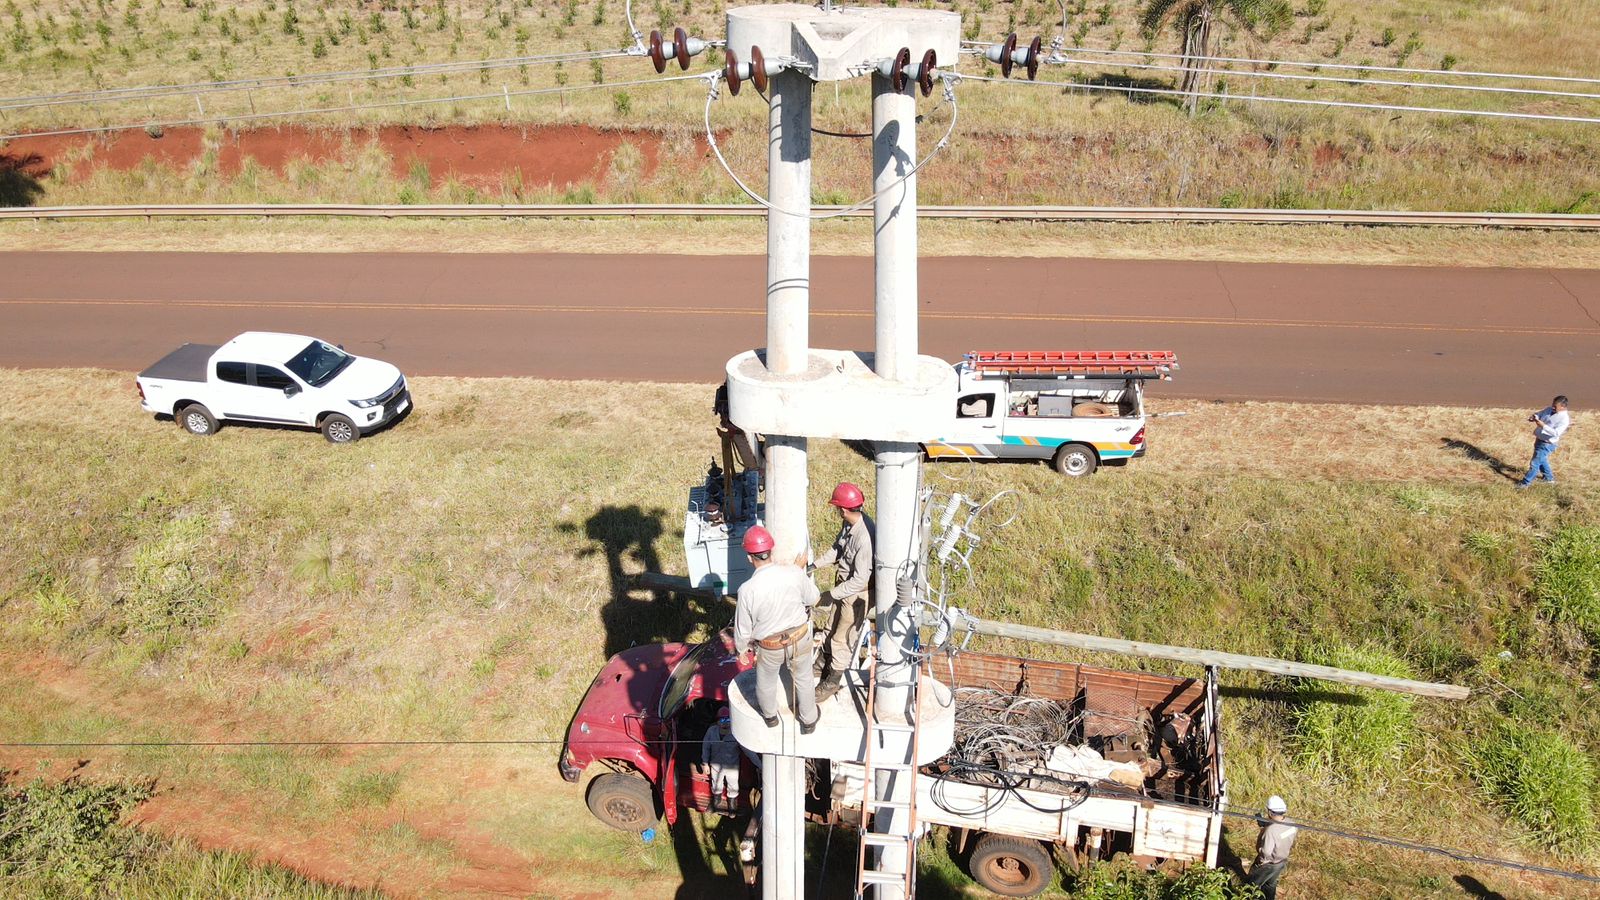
(1478, 454)
(697, 846)
(1475, 888)
(636, 614)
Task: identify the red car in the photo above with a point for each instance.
(643, 719)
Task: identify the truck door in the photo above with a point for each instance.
(281, 396)
(978, 415)
(229, 389)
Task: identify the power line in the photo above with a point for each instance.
(416, 101)
(1312, 825)
(1243, 73)
(1240, 98)
(152, 92)
(978, 46)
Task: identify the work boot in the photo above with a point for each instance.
(807, 727)
(829, 686)
(772, 721)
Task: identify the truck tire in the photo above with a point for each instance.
(1011, 867)
(1076, 460)
(339, 429)
(622, 801)
(196, 419)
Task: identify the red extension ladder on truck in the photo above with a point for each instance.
(1146, 363)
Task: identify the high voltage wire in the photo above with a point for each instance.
(1309, 64)
(1244, 73)
(415, 101)
(1246, 98)
(154, 92)
(1312, 825)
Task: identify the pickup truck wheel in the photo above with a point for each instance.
(340, 429)
(1011, 867)
(196, 419)
(622, 801)
(1076, 460)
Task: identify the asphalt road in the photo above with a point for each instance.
(1372, 334)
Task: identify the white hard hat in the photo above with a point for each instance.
(1275, 804)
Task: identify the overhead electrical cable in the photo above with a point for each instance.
(416, 101)
(1297, 101)
(980, 46)
(1288, 76)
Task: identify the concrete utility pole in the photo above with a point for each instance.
(791, 391)
(788, 354)
(899, 465)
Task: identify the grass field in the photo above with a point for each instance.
(1238, 243)
(1014, 145)
(463, 575)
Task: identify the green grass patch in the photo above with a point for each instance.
(1567, 578)
(1542, 780)
(1363, 731)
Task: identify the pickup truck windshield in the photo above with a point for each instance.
(318, 363)
(682, 678)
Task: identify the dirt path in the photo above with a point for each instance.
(1364, 334)
(463, 860)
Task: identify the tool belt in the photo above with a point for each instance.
(784, 638)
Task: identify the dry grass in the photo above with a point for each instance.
(1015, 145)
(1239, 243)
(464, 574)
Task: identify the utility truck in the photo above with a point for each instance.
(283, 379)
(1079, 409)
(1054, 763)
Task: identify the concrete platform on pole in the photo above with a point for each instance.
(841, 725)
(835, 44)
(839, 396)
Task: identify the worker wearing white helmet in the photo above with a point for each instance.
(1272, 848)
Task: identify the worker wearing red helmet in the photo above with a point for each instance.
(850, 597)
(773, 622)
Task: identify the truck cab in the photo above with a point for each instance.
(1078, 409)
(642, 721)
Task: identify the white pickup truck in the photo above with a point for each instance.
(1079, 409)
(283, 379)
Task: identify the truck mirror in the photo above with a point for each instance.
(289, 390)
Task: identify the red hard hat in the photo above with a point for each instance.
(847, 496)
(724, 713)
(757, 540)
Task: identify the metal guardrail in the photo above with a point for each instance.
(995, 213)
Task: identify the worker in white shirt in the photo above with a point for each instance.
(1272, 848)
(1548, 426)
(719, 753)
(851, 595)
(772, 620)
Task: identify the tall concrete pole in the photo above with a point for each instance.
(788, 353)
(894, 219)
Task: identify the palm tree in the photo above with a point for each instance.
(1193, 19)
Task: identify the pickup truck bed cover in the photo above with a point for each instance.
(187, 363)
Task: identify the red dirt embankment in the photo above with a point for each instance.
(481, 155)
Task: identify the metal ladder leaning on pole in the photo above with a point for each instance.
(894, 735)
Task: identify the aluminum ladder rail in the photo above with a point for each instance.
(868, 864)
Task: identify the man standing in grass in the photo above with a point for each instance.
(772, 620)
(1548, 426)
(1272, 848)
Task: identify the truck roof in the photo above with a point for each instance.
(187, 363)
(267, 346)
